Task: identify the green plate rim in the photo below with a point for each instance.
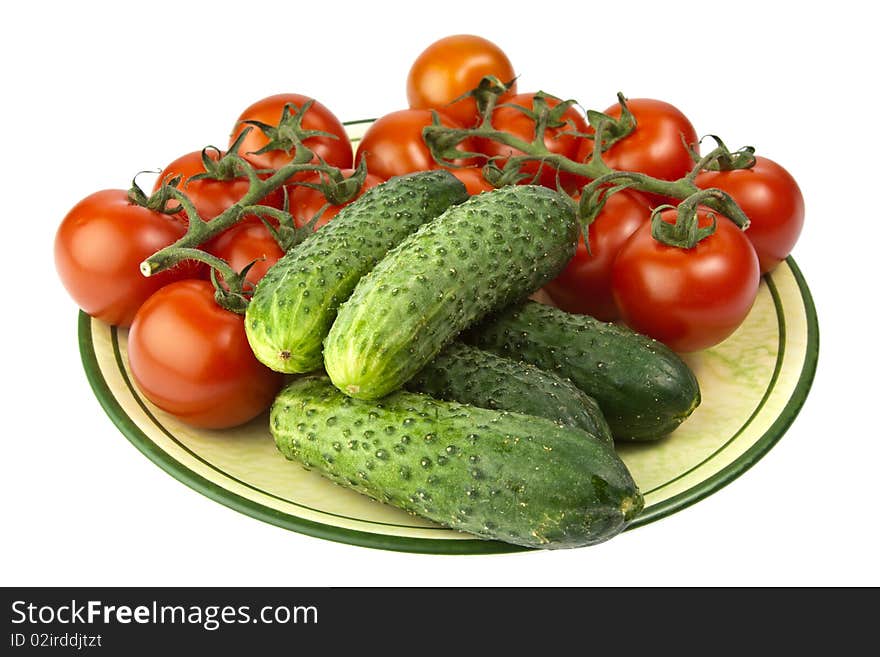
(244, 505)
(770, 437)
(445, 546)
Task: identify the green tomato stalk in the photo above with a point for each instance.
(289, 136)
(444, 144)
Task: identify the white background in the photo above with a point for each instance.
(94, 93)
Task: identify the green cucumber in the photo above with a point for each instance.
(495, 474)
(644, 389)
(494, 249)
(472, 376)
(295, 303)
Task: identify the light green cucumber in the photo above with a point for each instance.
(498, 475)
(296, 301)
(494, 249)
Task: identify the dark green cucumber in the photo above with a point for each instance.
(499, 475)
(472, 376)
(494, 249)
(295, 303)
(644, 389)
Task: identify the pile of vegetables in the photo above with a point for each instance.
(388, 288)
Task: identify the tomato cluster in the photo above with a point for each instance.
(189, 355)
(691, 298)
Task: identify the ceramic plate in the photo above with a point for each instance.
(753, 385)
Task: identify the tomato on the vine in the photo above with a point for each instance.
(690, 299)
(191, 358)
(335, 150)
(210, 197)
(658, 146)
(306, 202)
(393, 145)
(245, 243)
(473, 179)
(584, 286)
(98, 250)
(771, 199)
(557, 140)
(452, 66)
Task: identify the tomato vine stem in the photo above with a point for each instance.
(444, 144)
(288, 135)
(200, 231)
(157, 202)
(686, 232)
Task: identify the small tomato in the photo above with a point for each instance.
(191, 358)
(689, 299)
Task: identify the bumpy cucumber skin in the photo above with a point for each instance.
(494, 249)
(468, 375)
(498, 475)
(644, 389)
(296, 301)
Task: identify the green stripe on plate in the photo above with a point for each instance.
(776, 430)
(135, 393)
(780, 355)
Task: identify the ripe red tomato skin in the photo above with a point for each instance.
(243, 244)
(515, 122)
(191, 358)
(335, 152)
(584, 286)
(772, 201)
(305, 202)
(210, 197)
(452, 66)
(655, 147)
(473, 180)
(689, 299)
(99, 247)
(393, 145)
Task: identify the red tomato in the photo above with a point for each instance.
(98, 250)
(305, 202)
(243, 244)
(518, 124)
(655, 147)
(690, 299)
(452, 66)
(336, 151)
(393, 145)
(191, 358)
(772, 201)
(584, 286)
(210, 197)
(473, 180)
